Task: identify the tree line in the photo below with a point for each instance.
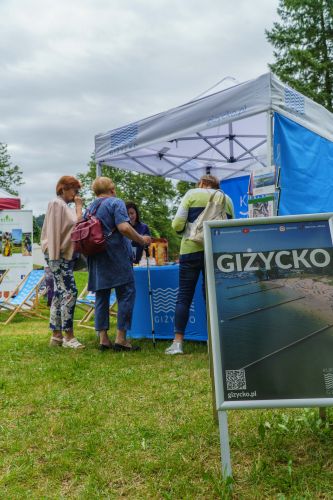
(303, 52)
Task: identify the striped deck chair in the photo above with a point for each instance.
(24, 298)
(86, 301)
(3, 274)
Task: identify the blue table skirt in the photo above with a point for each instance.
(164, 285)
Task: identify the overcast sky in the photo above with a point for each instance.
(72, 69)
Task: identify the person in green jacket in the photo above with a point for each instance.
(191, 258)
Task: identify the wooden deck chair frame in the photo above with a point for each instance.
(30, 301)
(90, 309)
(83, 304)
(2, 276)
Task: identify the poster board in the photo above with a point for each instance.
(270, 296)
(15, 247)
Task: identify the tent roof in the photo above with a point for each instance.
(4, 194)
(9, 201)
(224, 133)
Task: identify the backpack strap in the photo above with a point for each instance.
(94, 212)
(101, 200)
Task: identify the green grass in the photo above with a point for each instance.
(139, 425)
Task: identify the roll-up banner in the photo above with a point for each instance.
(270, 297)
(15, 248)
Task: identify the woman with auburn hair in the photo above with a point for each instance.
(58, 250)
(113, 268)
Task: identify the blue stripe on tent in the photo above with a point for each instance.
(237, 189)
(124, 135)
(306, 162)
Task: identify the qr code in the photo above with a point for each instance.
(235, 379)
(328, 379)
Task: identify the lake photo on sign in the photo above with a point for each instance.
(274, 291)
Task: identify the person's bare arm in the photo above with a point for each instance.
(78, 207)
(127, 230)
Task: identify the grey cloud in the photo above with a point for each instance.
(74, 69)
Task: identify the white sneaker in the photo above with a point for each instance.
(72, 343)
(175, 348)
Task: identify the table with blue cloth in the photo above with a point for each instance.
(164, 287)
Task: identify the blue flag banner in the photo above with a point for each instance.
(237, 189)
(305, 160)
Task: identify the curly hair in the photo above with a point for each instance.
(102, 185)
(210, 181)
(67, 182)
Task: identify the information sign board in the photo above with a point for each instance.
(15, 248)
(270, 296)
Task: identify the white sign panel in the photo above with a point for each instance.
(15, 247)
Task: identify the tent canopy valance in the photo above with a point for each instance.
(226, 133)
(9, 201)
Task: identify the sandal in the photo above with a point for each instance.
(104, 347)
(126, 347)
(72, 343)
(56, 342)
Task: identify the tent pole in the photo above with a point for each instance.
(98, 169)
(270, 156)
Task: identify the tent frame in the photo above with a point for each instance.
(231, 132)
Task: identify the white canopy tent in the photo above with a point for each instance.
(225, 133)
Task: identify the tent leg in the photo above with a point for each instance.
(98, 169)
(270, 155)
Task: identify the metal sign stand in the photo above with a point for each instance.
(215, 302)
(224, 443)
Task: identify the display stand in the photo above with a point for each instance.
(263, 194)
(271, 335)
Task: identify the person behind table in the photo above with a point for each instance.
(191, 258)
(58, 251)
(113, 267)
(27, 244)
(140, 227)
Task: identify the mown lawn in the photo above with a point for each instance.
(139, 425)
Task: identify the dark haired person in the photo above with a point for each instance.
(113, 267)
(27, 245)
(58, 250)
(140, 227)
(191, 258)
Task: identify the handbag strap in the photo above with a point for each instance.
(94, 212)
(91, 213)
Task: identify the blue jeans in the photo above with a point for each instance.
(125, 297)
(189, 272)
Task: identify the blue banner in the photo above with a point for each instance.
(237, 189)
(164, 287)
(305, 160)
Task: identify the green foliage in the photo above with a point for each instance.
(10, 175)
(303, 43)
(156, 197)
(36, 231)
(183, 186)
(40, 220)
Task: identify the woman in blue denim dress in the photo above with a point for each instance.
(113, 267)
